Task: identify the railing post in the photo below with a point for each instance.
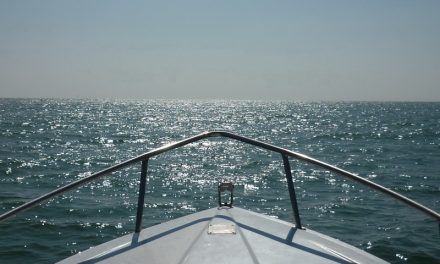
(141, 196)
(291, 191)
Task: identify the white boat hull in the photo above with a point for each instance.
(224, 235)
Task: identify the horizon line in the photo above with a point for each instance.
(220, 99)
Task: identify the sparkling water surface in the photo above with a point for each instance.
(46, 143)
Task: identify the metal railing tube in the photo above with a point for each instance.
(292, 194)
(168, 147)
(66, 188)
(307, 159)
(141, 196)
(85, 180)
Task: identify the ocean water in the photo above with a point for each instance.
(46, 143)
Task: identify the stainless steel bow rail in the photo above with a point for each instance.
(285, 154)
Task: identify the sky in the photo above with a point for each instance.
(352, 50)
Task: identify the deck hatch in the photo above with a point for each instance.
(221, 229)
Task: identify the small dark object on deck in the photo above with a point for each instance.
(225, 186)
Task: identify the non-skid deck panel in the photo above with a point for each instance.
(239, 236)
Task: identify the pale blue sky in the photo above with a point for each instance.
(290, 50)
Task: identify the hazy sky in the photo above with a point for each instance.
(229, 49)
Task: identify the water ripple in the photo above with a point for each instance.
(45, 143)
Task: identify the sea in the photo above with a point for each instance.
(47, 143)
